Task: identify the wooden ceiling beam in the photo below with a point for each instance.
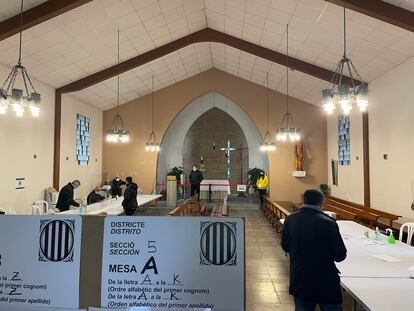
(205, 35)
(37, 15)
(381, 10)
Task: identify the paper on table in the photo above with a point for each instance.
(387, 258)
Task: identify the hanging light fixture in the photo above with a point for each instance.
(287, 129)
(339, 92)
(152, 145)
(267, 143)
(14, 97)
(117, 132)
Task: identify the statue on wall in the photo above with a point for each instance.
(299, 156)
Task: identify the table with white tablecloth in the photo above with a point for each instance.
(372, 281)
(113, 206)
(219, 189)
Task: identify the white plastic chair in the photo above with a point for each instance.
(36, 210)
(44, 207)
(410, 231)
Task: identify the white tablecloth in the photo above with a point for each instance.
(112, 206)
(217, 185)
(376, 284)
(360, 261)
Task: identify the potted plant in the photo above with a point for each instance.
(253, 175)
(325, 189)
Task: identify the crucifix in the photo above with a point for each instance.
(228, 150)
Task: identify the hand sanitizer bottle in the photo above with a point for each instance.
(391, 238)
(83, 207)
(377, 234)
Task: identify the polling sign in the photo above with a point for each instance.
(173, 263)
(39, 261)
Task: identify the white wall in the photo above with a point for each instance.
(90, 175)
(20, 140)
(391, 127)
(350, 178)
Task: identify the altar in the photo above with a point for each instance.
(219, 189)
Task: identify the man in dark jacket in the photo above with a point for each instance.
(65, 199)
(196, 177)
(130, 203)
(116, 187)
(95, 196)
(314, 244)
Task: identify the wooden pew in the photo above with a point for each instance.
(190, 207)
(385, 219)
(340, 213)
(363, 215)
(275, 213)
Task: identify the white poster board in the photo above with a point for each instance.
(39, 261)
(173, 263)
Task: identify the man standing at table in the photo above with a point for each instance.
(314, 244)
(65, 199)
(116, 184)
(130, 203)
(196, 177)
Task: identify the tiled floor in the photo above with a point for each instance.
(267, 267)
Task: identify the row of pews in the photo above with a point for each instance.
(190, 207)
(195, 207)
(343, 209)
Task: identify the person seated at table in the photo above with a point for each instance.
(95, 196)
(196, 177)
(65, 199)
(130, 203)
(116, 189)
(314, 244)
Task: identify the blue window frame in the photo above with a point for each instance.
(344, 140)
(82, 139)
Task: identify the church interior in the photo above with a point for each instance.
(214, 110)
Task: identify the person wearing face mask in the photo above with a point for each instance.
(116, 187)
(196, 177)
(261, 184)
(65, 199)
(95, 196)
(130, 203)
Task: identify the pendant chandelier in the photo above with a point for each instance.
(267, 143)
(152, 145)
(117, 132)
(344, 94)
(16, 98)
(287, 129)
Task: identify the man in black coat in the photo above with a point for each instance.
(130, 203)
(65, 199)
(314, 244)
(95, 196)
(196, 177)
(116, 187)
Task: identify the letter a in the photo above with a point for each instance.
(150, 265)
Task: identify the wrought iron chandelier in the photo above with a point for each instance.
(117, 132)
(342, 93)
(287, 129)
(267, 142)
(152, 145)
(17, 98)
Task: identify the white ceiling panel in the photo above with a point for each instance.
(83, 41)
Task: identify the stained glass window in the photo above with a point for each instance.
(344, 142)
(82, 139)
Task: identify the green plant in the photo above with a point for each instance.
(324, 188)
(253, 175)
(176, 171)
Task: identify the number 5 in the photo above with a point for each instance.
(151, 247)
